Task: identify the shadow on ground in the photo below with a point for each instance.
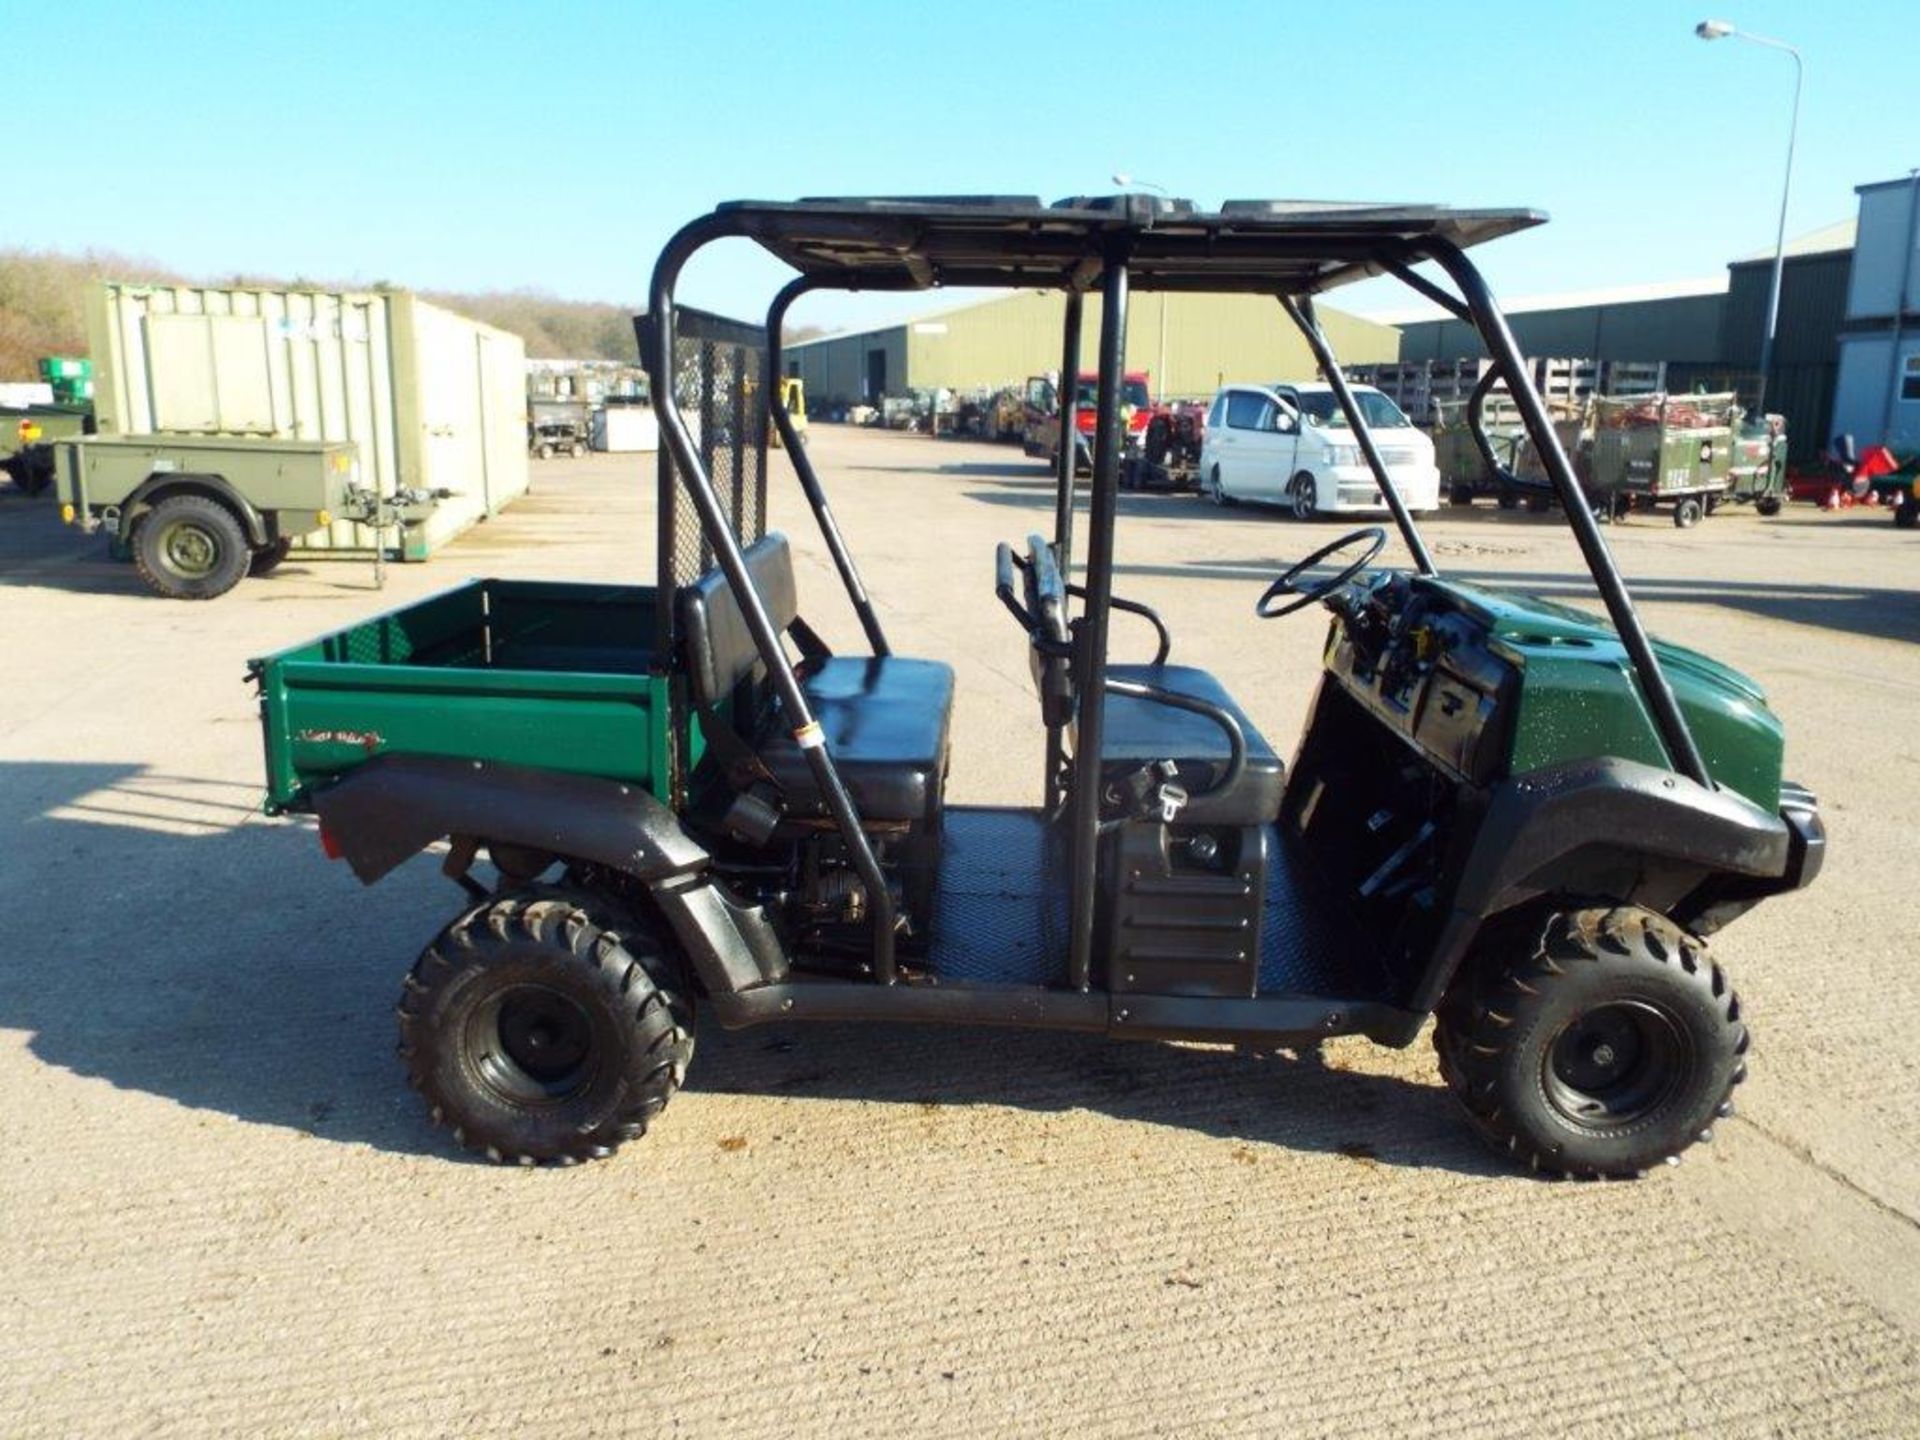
(185, 947)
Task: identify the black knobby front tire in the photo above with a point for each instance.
(1768, 505)
(1907, 514)
(1607, 1046)
(189, 547)
(545, 1025)
(1687, 513)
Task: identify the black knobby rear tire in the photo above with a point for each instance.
(1907, 514)
(1768, 505)
(266, 561)
(545, 1025)
(1607, 1046)
(189, 547)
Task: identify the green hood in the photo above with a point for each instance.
(1579, 697)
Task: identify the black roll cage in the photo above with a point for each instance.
(1282, 249)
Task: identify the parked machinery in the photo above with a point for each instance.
(1166, 454)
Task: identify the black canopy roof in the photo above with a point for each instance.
(1259, 246)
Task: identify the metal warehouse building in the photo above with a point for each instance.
(1189, 345)
(1707, 331)
(1673, 322)
(1879, 381)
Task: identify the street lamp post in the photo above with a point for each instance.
(1721, 30)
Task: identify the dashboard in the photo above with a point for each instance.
(1419, 662)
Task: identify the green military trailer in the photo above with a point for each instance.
(28, 434)
(1656, 450)
(197, 514)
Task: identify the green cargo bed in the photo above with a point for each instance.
(526, 672)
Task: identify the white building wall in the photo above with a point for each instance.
(1877, 390)
(1886, 257)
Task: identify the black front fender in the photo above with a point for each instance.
(1579, 829)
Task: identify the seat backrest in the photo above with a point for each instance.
(719, 647)
(1047, 604)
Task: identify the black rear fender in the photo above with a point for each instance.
(386, 811)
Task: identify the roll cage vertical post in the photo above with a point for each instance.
(726, 551)
(1065, 461)
(803, 468)
(1301, 309)
(1068, 444)
(1492, 325)
(1090, 660)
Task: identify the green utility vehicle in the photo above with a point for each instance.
(1523, 818)
(197, 514)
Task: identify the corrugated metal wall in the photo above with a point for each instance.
(1806, 348)
(1684, 328)
(1188, 343)
(431, 399)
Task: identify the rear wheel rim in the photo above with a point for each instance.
(190, 550)
(1616, 1064)
(533, 1045)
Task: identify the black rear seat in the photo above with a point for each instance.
(886, 720)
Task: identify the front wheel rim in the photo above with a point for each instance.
(1303, 500)
(1614, 1065)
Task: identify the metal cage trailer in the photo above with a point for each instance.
(1522, 818)
(1664, 450)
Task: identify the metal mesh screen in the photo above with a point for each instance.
(718, 369)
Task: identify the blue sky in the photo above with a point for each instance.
(555, 146)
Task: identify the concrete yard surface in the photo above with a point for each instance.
(223, 1212)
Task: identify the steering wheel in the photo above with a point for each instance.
(1285, 585)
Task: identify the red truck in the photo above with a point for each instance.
(1161, 448)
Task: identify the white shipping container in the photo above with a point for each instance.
(433, 400)
(623, 429)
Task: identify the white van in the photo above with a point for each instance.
(1291, 445)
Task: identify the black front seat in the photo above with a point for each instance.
(1141, 730)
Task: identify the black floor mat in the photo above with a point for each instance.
(1001, 913)
(1309, 943)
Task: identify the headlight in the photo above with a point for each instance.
(1343, 455)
